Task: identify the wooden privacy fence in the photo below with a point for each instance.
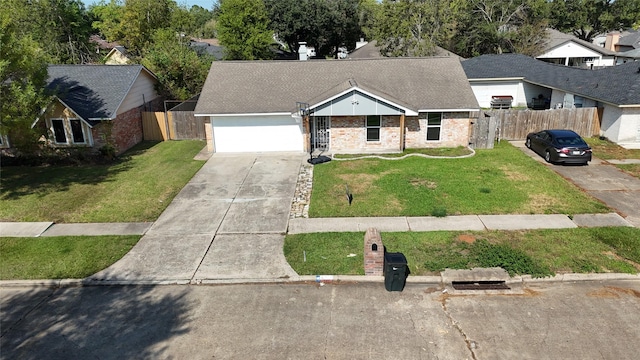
(177, 125)
(516, 124)
(511, 124)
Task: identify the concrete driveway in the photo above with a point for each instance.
(228, 222)
(605, 182)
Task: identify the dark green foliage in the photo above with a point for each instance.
(323, 24)
(513, 261)
(243, 29)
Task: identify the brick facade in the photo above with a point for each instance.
(349, 134)
(125, 131)
(454, 131)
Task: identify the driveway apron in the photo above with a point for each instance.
(228, 222)
(615, 188)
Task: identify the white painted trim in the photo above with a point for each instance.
(66, 106)
(447, 110)
(247, 114)
(407, 111)
(498, 79)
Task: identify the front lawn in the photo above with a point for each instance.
(536, 252)
(64, 257)
(137, 188)
(502, 180)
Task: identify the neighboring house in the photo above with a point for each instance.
(98, 105)
(628, 41)
(117, 56)
(568, 50)
(628, 56)
(615, 89)
(370, 50)
(373, 105)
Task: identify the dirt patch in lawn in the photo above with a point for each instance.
(419, 183)
(514, 175)
(538, 203)
(358, 183)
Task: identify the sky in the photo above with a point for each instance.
(207, 4)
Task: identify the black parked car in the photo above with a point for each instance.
(561, 146)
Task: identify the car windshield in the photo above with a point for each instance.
(571, 141)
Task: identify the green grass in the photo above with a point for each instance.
(534, 252)
(136, 188)
(607, 150)
(502, 180)
(65, 257)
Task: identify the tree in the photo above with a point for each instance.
(60, 27)
(588, 18)
(243, 29)
(323, 24)
(497, 26)
(140, 19)
(23, 74)
(107, 17)
(180, 70)
(411, 28)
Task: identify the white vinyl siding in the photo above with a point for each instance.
(141, 91)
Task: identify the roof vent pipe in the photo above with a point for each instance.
(302, 51)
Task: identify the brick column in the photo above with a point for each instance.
(373, 253)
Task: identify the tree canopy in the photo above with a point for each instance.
(23, 74)
(243, 29)
(588, 18)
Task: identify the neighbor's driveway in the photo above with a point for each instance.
(228, 222)
(603, 181)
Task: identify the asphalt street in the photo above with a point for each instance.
(582, 320)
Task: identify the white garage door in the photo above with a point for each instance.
(257, 134)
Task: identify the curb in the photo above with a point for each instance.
(411, 280)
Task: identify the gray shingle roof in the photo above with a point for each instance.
(92, 91)
(619, 85)
(236, 87)
(631, 39)
(557, 38)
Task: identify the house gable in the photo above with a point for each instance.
(357, 102)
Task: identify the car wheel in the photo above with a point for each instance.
(528, 143)
(547, 156)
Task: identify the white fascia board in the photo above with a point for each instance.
(246, 114)
(407, 111)
(497, 79)
(447, 110)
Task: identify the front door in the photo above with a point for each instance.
(320, 133)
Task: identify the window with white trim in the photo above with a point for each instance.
(373, 127)
(434, 125)
(68, 131)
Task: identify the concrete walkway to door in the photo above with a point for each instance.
(227, 223)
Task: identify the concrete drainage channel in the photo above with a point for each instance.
(480, 281)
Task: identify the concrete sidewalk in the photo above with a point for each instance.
(454, 223)
(355, 224)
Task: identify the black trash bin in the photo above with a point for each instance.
(395, 271)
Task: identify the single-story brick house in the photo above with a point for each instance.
(368, 105)
(614, 89)
(96, 105)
